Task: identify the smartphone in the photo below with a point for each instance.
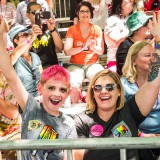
(38, 19)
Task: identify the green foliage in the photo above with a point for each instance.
(15, 2)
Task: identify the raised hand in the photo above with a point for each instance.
(2, 26)
(36, 30)
(51, 23)
(154, 26)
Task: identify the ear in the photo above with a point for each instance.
(40, 89)
(27, 15)
(16, 41)
(69, 91)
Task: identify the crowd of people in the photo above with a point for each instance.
(124, 94)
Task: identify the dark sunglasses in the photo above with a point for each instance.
(24, 34)
(33, 74)
(34, 12)
(109, 87)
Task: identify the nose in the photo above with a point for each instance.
(56, 92)
(104, 89)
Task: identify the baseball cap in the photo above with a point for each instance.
(15, 30)
(136, 21)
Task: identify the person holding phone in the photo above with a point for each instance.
(21, 17)
(45, 44)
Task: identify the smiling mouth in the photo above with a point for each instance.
(55, 102)
(105, 98)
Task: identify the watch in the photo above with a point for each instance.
(54, 29)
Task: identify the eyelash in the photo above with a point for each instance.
(62, 90)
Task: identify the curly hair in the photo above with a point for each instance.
(87, 4)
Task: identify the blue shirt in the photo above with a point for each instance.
(152, 123)
(29, 74)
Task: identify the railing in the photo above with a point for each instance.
(62, 10)
(89, 143)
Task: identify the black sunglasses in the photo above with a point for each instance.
(34, 12)
(33, 74)
(23, 34)
(109, 87)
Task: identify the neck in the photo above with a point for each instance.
(105, 115)
(26, 55)
(142, 78)
(84, 25)
(136, 38)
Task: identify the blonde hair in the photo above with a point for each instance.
(91, 103)
(129, 70)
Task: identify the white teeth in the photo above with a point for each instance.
(105, 98)
(56, 100)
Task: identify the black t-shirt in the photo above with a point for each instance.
(122, 53)
(123, 123)
(45, 48)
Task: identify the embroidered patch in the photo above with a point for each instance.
(96, 130)
(48, 133)
(121, 130)
(34, 124)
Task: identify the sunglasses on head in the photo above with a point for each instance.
(109, 87)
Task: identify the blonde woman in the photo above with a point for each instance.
(107, 115)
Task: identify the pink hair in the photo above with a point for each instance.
(56, 72)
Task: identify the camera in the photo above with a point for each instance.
(41, 15)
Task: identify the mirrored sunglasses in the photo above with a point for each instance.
(109, 87)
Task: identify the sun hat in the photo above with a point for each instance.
(15, 30)
(136, 21)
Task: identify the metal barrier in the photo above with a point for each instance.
(89, 143)
(62, 10)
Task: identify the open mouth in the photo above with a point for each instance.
(55, 101)
(105, 98)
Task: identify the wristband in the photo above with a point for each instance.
(82, 47)
(140, 134)
(28, 41)
(54, 29)
(157, 45)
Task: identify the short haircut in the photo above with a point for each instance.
(32, 4)
(56, 72)
(91, 103)
(87, 4)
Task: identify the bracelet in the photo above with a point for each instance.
(54, 29)
(28, 41)
(82, 47)
(157, 45)
(140, 134)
